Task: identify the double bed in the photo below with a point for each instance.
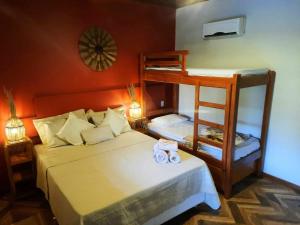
(118, 182)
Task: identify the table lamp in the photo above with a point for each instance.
(14, 127)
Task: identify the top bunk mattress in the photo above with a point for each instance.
(214, 72)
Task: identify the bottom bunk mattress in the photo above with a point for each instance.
(118, 182)
(183, 133)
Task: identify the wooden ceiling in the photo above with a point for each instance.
(172, 3)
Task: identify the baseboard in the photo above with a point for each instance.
(276, 179)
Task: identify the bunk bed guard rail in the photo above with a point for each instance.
(168, 60)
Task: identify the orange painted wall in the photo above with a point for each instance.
(39, 53)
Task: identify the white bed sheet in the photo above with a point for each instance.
(215, 72)
(180, 131)
(118, 182)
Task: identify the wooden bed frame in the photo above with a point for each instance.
(227, 171)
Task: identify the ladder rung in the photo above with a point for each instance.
(211, 124)
(210, 142)
(212, 105)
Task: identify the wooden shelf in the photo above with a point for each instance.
(20, 158)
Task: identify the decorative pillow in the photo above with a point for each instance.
(122, 111)
(96, 117)
(39, 123)
(51, 128)
(168, 120)
(127, 126)
(71, 131)
(96, 135)
(115, 120)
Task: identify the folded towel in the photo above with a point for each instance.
(160, 156)
(167, 145)
(174, 157)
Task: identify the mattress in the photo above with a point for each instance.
(181, 131)
(118, 182)
(214, 72)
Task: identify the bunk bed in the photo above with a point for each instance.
(170, 68)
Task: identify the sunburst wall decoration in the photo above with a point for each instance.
(97, 49)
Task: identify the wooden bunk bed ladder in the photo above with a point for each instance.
(198, 121)
(226, 128)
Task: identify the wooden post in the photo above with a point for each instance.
(183, 63)
(196, 117)
(234, 104)
(226, 126)
(175, 91)
(266, 120)
(143, 85)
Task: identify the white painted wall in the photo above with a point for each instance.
(272, 40)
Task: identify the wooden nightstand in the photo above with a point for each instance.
(139, 124)
(18, 157)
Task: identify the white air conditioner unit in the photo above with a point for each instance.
(224, 28)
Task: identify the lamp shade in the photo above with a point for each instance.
(14, 129)
(135, 110)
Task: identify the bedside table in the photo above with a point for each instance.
(18, 158)
(139, 124)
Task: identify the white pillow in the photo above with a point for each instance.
(122, 111)
(71, 131)
(116, 121)
(96, 135)
(127, 126)
(96, 117)
(51, 128)
(39, 123)
(168, 120)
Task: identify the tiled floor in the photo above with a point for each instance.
(256, 202)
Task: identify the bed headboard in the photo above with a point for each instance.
(49, 105)
(55, 104)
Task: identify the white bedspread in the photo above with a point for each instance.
(118, 182)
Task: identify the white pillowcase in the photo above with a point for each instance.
(168, 120)
(117, 122)
(51, 128)
(71, 131)
(96, 117)
(122, 111)
(96, 135)
(39, 123)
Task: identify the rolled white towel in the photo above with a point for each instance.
(167, 145)
(174, 157)
(160, 156)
